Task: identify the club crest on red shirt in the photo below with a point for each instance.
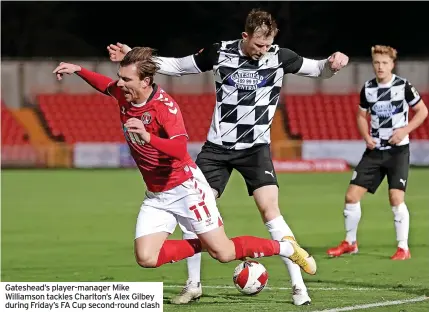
(146, 118)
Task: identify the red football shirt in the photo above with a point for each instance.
(162, 117)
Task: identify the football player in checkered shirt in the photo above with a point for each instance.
(387, 98)
(248, 79)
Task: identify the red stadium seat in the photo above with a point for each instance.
(316, 117)
(81, 117)
(73, 115)
(313, 117)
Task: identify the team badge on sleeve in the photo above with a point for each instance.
(416, 94)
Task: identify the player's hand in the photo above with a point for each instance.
(117, 51)
(66, 68)
(398, 135)
(136, 125)
(370, 143)
(337, 61)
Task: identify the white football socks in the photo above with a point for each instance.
(278, 229)
(352, 214)
(402, 224)
(193, 263)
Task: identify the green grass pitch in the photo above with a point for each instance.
(78, 225)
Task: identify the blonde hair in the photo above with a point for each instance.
(384, 50)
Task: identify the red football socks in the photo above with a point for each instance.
(245, 246)
(176, 250)
(255, 247)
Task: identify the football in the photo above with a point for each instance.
(250, 277)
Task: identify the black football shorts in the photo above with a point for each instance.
(254, 164)
(376, 164)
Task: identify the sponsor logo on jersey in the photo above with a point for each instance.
(247, 80)
(384, 109)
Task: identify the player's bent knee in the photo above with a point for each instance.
(396, 197)
(218, 245)
(222, 251)
(354, 194)
(351, 198)
(146, 260)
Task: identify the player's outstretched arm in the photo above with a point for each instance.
(323, 68)
(96, 80)
(170, 66)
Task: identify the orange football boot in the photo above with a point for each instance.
(343, 248)
(401, 254)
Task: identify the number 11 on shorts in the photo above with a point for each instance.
(196, 211)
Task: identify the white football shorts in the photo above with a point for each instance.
(191, 204)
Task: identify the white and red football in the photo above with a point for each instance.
(250, 277)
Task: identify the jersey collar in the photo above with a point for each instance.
(387, 84)
(154, 91)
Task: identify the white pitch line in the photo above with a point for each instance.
(289, 288)
(375, 305)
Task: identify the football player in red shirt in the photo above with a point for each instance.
(177, 191)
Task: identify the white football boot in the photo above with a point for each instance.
(300, 296)
(191, 291)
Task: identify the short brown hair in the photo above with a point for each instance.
(143, 58)
(384, 50)
(260, 21)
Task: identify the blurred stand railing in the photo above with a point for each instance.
(287, 154)
(116, 155)
(22, 80)
(58, 155)
(62, 155)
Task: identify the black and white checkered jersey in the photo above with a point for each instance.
(247, 91)
(388, 105)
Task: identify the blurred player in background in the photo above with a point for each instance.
(387, 98)
(248, 79)
(176, 188)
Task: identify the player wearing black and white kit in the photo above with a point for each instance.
(248, 76)
(247, 93)
(388, 105)
(387, 99)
